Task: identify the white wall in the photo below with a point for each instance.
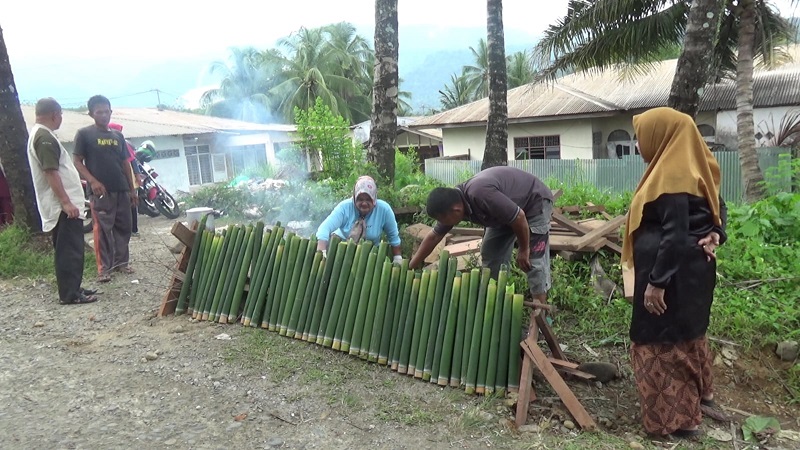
(256, 139)
(766, 120)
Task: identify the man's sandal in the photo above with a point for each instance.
(126, 270)
(103, 278)
(81, 299)
(710, 409)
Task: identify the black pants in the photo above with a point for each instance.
(134, 219)
(69, 247)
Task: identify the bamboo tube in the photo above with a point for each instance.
(256, 279)
(204, 262)
(269, 297)
(341, 320)
(477, 327)
(460, 337)
(401, 310)
(359, 271)
(447, 350)
(348, 251)
(330, 296)
(408, 325)
(513, 343)
(369, 319)
(419, 316)
(494, 340)
(430, 300)
(238, 292)
(284, 274)
(294, 255)
(312, 299)
(204, 296)
(233, 273)
(501, 382)
(319, 301)
(311, 262)
(213, 274)
(270, 264)
(389, 316)
(472, 306)
(304, 316)
(438, 330)
(380, 312)
(236, 231)
(486, 336)
(294, 284)
(356, 341)
(187, 279)
(259, 245)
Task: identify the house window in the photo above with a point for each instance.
(708, 133)
(247, 157)
(537, 147)
(620, 144)
(164, 154)
(198, 163)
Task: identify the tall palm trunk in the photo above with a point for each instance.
(496, 151)
(694, 64)
(745, 127)
(13, 147)
(385, 89)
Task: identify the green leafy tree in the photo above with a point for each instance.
(456, 93)
(477, 74)
(324, 137)
(520, 69)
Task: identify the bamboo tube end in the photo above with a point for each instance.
(383, 361)
(443, 381)
(246, 322)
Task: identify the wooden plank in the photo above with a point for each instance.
(183, 233)
(550, 337)
(570, 225)
(464, 248)
(170, 300)
(597, 233)
(562, 363)
(556, 194)
(463, 231)
(434, 256)
(560, 243)
(575, 373)
(460, 239)
(527, 393)
(417, 231)
(567, 396)
(406, 210)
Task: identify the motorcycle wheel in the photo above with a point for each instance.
(88, 220)
(166, 203)
(148, 207)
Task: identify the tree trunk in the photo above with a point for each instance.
(14, 147)
(496, 151)
(694, 64)
(383, 132)
(752, 177)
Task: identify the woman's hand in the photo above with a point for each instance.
(654, 300)
(710, 244)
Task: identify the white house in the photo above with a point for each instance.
(192, 149)
(588, 115)
(427, 142)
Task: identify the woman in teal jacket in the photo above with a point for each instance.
(361, 217)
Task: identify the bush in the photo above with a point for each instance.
(31, 256)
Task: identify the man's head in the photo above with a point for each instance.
(100, 110)
(48, 113)
(446, 206)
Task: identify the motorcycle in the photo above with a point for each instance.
(153, 198)
(88, 220)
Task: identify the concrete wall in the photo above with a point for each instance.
(766, 120)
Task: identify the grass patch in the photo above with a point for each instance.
(30, 255)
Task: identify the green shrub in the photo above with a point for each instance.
(31, 256)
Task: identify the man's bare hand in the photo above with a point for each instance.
(134, 198)
(71, 211)
(524, 259)
(98, 189)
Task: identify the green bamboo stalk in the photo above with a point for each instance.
(444, 309)
(369, 320)
(341, 320)
(359, 269)
(460, 337)
(260, 309)
(321, 295)
(212, 276)
(230, 311)
(348, 250)
(259, 244)
(486, 336)
(388, 318)
(294, 282)
(494, 340)
(405, 281)
(235, 259)
(425, 336)
(312, 305)
(294, 255)
(277, 271)
(419, 315)
(380, 312)
(363, 305)
(187, 279)
(513, 343)
(305, 317)
(257, 278)
(223, 274)
(205, 260)
(443, 373)
(408, 324)
(277, 294)
(309, 262)
(477, 327)
(501, 382)
(330, 295)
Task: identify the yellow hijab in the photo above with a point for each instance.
(679, 161)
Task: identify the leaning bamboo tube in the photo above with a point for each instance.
(285, 272)
(330, 297)
(369, 323)
(233, 273)
(300, 303)
(380, 312)
(513, 343)
(260, 273)
(494, 340)
(312, 299)
(501, 382)
(348, 251)
(203, 267)
(294, 284)
(461, 323)
(363, 304)
(438, 329)
(419, 316)
(430, 300)
(355, 294)
(294, 255)
(254, 239)
(213, 278)
(304, 317)
(472, 305)
(486, 337)
(263, 291)
(223, 277)
(258, 238)
(321, 295)
(269, 297)
(341, 320)
(187, 279)
(477, 328)
(204, 296)
(400, 319)
(197, 275)
(388, 318)
(443, 372)
(408, 325)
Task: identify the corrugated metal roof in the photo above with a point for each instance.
(150, 122)
(596, 93)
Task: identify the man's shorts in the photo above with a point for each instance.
(539, 281)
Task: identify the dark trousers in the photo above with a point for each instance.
(69, 247)
(112, 230)
(134, 219)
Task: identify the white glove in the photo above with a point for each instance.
(397, 259)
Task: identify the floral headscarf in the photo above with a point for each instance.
(364, 185)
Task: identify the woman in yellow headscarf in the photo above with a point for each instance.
(675, 222)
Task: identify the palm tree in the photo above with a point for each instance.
(242, 93)
(457, 93)
(478, 74)
(13, 153)
(354, 57)
(602, 33)
(496, 151)
(520, 69)
(385, 88)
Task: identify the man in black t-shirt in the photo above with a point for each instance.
(102, 160)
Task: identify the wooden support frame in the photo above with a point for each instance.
(170, 299)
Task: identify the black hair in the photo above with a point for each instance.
(441, 200)
(97, 100)
(46, 106)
